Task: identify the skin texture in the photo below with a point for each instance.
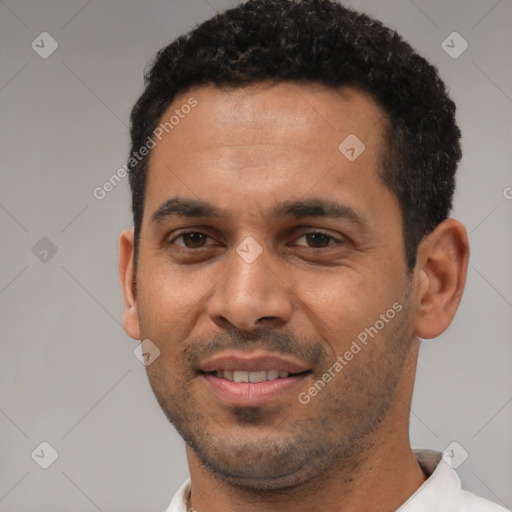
(305, 296)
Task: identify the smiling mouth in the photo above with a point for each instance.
(253, 376)
(253, 379)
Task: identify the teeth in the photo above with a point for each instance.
(272, 374)
(240, 376)
(257, 376)
(244, 376)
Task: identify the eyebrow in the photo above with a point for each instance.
(316, 207)
(179, 207)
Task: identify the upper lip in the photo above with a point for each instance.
(252, 362)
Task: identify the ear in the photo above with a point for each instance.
(127, 277)
(440, 277)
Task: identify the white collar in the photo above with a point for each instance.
(441, 492)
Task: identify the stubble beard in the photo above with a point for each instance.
(339, 431)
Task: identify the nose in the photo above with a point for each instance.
(251, 295)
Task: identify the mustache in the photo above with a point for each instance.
(269, 340)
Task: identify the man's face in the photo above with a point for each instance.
(303, 255)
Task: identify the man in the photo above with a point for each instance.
(292, 173)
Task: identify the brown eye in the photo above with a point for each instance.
(316, 239)
(192, 240)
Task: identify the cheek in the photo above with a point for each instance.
(341, 305)
(167, 301)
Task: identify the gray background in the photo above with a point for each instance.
(68, 374)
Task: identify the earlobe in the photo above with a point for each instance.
(440, 277)
(127, 277)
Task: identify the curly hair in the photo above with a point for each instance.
(320, 41)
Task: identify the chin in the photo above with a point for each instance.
(265, 466)
(287, 479)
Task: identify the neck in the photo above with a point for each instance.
(385, 476)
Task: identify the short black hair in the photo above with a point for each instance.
(324, 42)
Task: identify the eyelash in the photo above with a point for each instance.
(315, 232)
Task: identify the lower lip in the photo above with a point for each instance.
(252, 394)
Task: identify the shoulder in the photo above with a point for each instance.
(469, 502)
(442, 491)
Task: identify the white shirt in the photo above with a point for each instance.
(441, 492)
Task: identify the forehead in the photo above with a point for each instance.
(264, 142)
(288, 113)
